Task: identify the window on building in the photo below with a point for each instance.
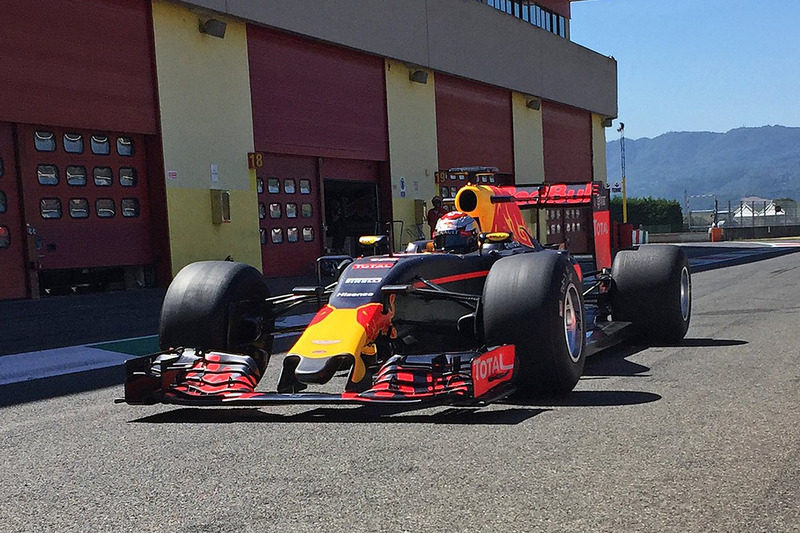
(128, 177)
(277, 235)
(262, 211)
(78, 208)
(307, 210)
(125, 146)
(76, 175)
(260, 185)
(5, 237)
(274, 185)
(3, 202)
(305, 186)
(105, 208)
(103, 177)
(100, 145)
(73, 143)
(2, 167)
(289, 186)
(291, 210)
(275, 210)
(129, 207)
(44, 141)
(263, 233)
(308, 234)
(292, 235)
(47, 174)
(50, 207)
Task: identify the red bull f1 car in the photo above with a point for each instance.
(437, 324)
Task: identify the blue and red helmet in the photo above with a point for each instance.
(456, 232)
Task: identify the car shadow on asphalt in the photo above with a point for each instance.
(711, 343)
(349, 415)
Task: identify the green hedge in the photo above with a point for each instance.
(650, 212)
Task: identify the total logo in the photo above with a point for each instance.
(600, 228)
(491, 369)
(371, 266)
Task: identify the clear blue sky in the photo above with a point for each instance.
(697, 65)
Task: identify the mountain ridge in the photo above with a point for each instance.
(743, 162)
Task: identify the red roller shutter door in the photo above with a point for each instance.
(82, 68)
(567, 144)
(315, 99)
(473, 124)
(78, 63)
(319, 112)
(568, 159)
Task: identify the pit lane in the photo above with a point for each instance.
(697, 437)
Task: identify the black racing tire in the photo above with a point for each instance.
(196, 308)
(534, 301)
(652, 288)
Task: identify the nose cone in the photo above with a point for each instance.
(334, 341)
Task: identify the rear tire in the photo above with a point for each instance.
(652, 288)
(534, 301)
(196, 309)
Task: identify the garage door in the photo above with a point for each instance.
(319, 118)
(289, 212)
(85, 193)
(567, 144)
(473, 124)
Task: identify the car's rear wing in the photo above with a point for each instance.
(498, 209)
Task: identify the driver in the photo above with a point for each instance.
(456, 232)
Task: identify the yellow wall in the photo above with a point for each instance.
(528, 141)
(412, 144)
(598, 149)
(528, 154)
(206, 118)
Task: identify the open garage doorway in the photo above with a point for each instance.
(351, 210)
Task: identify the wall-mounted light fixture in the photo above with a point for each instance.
(607, 122)
(533, 103)
(418, 75)
(213, 27)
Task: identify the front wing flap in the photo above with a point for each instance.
(216, 379)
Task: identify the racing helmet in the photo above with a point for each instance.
(456, 232)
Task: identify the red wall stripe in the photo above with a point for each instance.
(311, 98)
(473, 124)
(560, 7)
(78, 63)
(567, 143)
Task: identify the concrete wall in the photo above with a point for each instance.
(411, 110)
(206, 118)
(461, 37)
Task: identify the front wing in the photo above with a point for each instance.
(190, 377)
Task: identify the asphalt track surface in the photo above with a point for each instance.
(703, 436)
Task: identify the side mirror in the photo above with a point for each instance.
(496, 237)
(330, 268)
(379, 243)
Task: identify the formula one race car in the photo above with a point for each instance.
(480, 313)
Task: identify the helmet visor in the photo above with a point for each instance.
(454, 242)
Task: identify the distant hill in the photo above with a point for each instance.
(762, 162)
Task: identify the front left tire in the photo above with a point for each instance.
(534, 301)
